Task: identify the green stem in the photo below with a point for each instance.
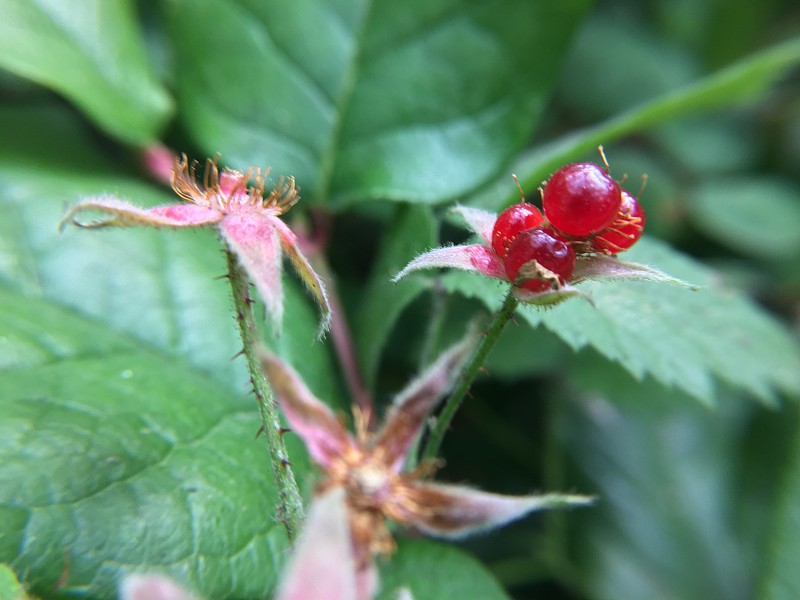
(469, 373)
(290, 503)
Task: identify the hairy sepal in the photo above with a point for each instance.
(323, 434)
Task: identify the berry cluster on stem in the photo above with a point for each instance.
(585, 212)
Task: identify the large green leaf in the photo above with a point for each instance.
(681, 514)
(116, 458)
(433, 571)
(743, 81)
(683, 338)
(360, 99)
(163, 287)
(92, 52)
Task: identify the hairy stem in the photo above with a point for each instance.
(290, 503)
(468, 374)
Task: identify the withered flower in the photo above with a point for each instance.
(247, 221)
(367, 469)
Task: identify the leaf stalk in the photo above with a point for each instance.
(468, 375)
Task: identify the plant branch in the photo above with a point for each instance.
(468, 374)
(290, 503)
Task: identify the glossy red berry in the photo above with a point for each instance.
(549, 252)
(581, 199)
(626, 229)
(517, 217)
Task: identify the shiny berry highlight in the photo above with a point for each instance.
(580, 199)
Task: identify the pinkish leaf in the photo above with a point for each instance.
(609, 267)
(475, 257)
(323, 434)
(152, 587)
(456, 511)
(306, 273)
(323, 566)
(413, 405)
(252, 237)
(124, 214)
(479, 221)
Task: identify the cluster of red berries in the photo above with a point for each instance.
(586, 213)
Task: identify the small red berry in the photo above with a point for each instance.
(626, 229)
(517, 217)
(548, 251)
(581, 199)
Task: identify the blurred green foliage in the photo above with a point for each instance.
(387, 113)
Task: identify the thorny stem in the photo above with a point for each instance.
(290, 503)
(468, 374)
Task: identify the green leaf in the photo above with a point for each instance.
(610, 267)
(92, 53)
(10, 588)
(752, 215)
(116, 458)
(645, 66)
(418, 101)
(674, 490)
(432, 571)
(413, 230)
(681, 337)
(162, 287)
(741, 82)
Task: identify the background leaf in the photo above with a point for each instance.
(92, 53)
(677, 483)
(737, 83)
(412, 228)
(781, 580)
(417, 101)
(118, 458)
(432, 570)
(756, 216)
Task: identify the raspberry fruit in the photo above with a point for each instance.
(516, 218)
(626, 229)
(548, 251)
(581, 199)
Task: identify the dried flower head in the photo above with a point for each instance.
(367, 470)
(245, 215)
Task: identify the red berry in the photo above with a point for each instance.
(626, 229)
(581, 199)
(516, 218)
(548, 251)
